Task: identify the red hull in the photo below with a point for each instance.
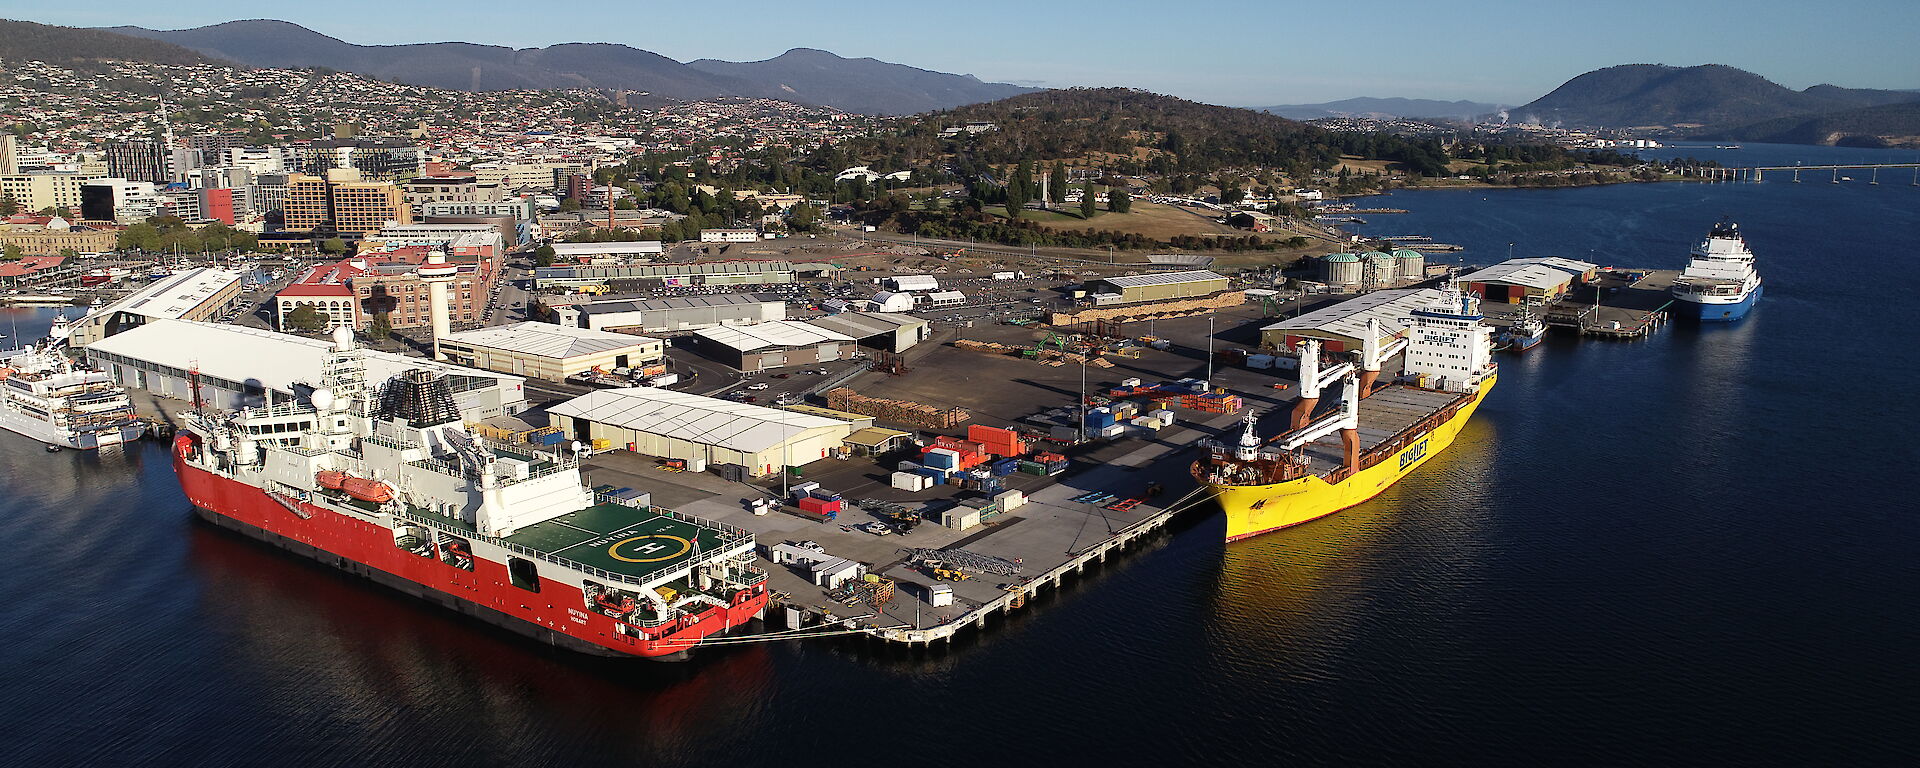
(557, 614)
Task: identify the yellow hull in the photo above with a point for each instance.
(1256, 509)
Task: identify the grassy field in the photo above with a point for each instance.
(1148, 219)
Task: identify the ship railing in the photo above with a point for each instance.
(520, 549)
(731, 531)
(388, 442)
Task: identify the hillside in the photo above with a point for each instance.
(805, 76)
(859, 85)
(1366, 106)
(1643, 95)
(25, 40)
(1886, 125)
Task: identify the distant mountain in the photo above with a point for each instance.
(801, 75)
(1366, 106)
(1647, 95)
(25, 40)
(1885, 125)
(860, 85)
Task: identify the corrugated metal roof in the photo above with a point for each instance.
(693, 418)
(275, 360)
(861, 325)
(1349, 318)
(676, 302)
(779, 333)
(588, 249)
(549, 340)
(1165, 278)
(1542, 272)
(175, 295)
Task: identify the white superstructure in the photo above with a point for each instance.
(1720, 270)
(1447, 343)
(46, 397)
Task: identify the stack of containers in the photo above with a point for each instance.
(1099, 419)
(1005, 467)
(1124, 410)
(821, 507)
(1010, 500)
(803, 489)
(944, 459)
(1053, 462)
(970, 453)
(908, 481)
(1033, 468)
(823, 494)
(999, 442)
(935, 474)
(1165, 416)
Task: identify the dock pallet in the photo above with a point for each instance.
(1124, 505)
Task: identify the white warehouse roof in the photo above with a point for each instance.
(693, 418)
(561, 250)
(275, 360)
(1540, 273)
(1349, 318)
(174, 295)
(779, 333)
(1164, 278)
(548, 340)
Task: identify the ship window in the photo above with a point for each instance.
(523, 573)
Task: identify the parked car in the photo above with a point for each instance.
(877, 528)
(757, 386)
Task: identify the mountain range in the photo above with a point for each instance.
(1366, 106)
(1710, 95)
(801, 75)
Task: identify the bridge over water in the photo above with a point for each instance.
(1758, 173)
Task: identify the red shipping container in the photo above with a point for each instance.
(820, 506)
(991, 436)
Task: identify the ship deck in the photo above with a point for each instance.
(622, 539)
(1382, 415)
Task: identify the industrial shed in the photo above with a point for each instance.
(1538, 279)
(1161, 287)
(772, 345)
(548, 351)
(678, 425)
(1343, 325)
(240, 367)
(674, 314)
(876, 330)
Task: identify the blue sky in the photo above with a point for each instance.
(1226, 52)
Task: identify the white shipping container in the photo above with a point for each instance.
(1115, 430)
(908, 466)
(1260, 362)
(664, 380)
(909, 481)
(1130, 382)
(1165, 417)
(1286, 363)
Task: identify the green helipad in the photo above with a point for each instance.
(622, 539)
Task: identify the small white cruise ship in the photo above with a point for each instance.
(45, 396)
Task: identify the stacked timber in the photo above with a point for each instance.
(896, 411)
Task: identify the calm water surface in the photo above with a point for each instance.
(1697, 548)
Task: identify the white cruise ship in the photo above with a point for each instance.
(1720, 283)
(43, 395)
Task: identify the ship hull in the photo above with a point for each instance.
(46, 433)
(1722, 312)
(555, 615)
(1252, 510)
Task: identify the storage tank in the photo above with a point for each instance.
(1412, 264)
(1379, 266)
(1343, 269)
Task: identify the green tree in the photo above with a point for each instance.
(1119, 201)
(1086, 203)
(8, 206)
(12, 252)
(304, 318)
(1057, 184)
(381, 327)
(569, 205)
(543, 256)
(333, 245)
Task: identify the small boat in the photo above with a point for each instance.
(51, 448)
(1526, 331)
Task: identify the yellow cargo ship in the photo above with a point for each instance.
(1346, 457)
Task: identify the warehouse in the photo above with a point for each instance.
(199, 294)
(772, 345)
(672, 315)
(247, 366)
(603, 253)
(877, 330)
(1343, 325)
(548, 351)
(640, 276)
(1537, 279)
(678, 425)
(1161, 287)
(912, 283)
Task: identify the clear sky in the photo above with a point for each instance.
(1236, 52)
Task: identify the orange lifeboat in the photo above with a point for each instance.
(331, 479)
(367, 490)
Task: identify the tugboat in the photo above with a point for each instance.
(1525, 333)
(1720, 284)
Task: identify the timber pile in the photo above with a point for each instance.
(1159, 310)
(1049, 357)
(896, 411)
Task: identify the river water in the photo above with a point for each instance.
(1688, 549)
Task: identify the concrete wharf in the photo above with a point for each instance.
(1619, 304)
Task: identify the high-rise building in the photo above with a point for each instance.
(340, 203)
(217, 205)
(139, 160)
(377, 159)
(9, 158)
(118, 200)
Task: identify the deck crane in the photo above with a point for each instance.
(1313, 379)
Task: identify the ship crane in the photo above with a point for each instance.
(1313, 379)
(1346, 421)
(1372, 355)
